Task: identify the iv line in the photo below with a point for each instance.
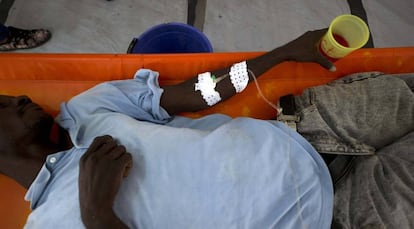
(299, 205)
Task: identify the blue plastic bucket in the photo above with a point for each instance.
(171, 37)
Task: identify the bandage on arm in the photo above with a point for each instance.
(184, 97)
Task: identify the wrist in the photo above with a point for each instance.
(283, 53)
(268, 60)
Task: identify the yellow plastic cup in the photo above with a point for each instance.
(346, 33)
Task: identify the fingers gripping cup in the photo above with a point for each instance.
(345, 34)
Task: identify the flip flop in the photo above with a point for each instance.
(25, 39)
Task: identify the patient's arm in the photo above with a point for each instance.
(101, 171)
(183, 97)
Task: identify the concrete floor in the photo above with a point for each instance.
(100, 26)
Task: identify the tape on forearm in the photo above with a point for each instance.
(239, 76)
(206, 85)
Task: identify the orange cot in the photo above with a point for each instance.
(50, 79)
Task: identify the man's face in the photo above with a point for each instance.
(22, 122)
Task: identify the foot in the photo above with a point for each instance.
(24, 39)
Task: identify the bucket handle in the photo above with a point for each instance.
(132, 45)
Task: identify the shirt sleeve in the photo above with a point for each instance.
(138, 98)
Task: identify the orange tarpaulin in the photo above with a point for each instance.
(50, 79)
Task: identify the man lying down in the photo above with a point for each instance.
(125, 159)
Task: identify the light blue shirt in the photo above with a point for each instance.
(214, 172)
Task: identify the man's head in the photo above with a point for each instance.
(22, 123)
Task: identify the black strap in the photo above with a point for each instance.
(340, 167)
(287, 103)
(5, 6)
(196, 13)
(357, 9)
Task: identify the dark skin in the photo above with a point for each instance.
(104, 154)
(25, 134)
(181, 97)
(24, 138)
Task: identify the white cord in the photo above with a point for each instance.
(299, 204)
(274, 106)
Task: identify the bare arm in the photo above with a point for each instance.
(183, 97)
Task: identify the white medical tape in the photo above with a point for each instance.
(239, 76)
(206, 86)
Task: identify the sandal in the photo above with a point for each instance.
(24, 39)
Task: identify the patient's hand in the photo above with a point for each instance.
(101, 171)
(306, 49)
